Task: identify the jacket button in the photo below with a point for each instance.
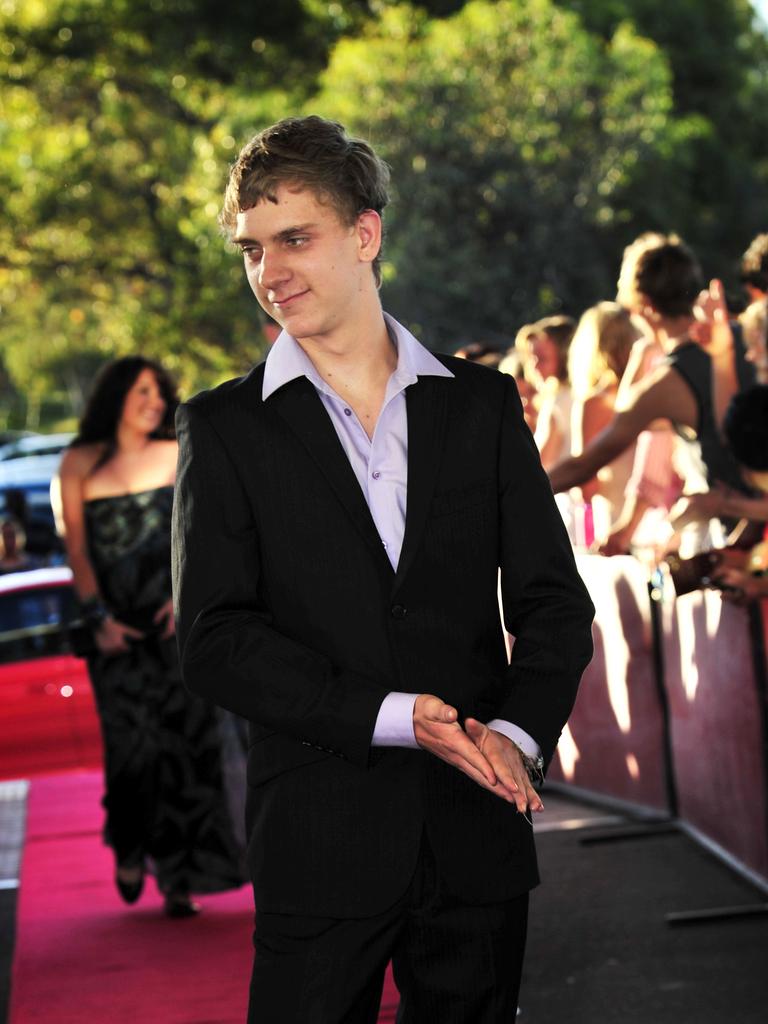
(399, 612)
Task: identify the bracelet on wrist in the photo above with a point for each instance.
(94, 611)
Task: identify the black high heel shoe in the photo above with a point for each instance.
(130, 891)
(179, 904)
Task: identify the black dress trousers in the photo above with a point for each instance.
(453, 963)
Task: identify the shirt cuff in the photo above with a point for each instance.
(394, 722)
(527, 744)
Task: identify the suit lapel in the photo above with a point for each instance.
(302, 409)
(427, 403)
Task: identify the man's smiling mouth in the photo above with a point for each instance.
(282, 303)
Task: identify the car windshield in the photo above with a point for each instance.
(32, 622)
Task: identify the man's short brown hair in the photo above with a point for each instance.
(312, 153)
(560, 329)
(668, 274)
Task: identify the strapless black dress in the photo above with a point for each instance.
(165, 764)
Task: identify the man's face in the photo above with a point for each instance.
(305, 266)
(546, 357)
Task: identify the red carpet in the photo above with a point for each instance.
(83, 957)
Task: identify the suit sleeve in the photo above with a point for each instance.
(546, 606)
(230, 653)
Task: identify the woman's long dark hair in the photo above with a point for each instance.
(104, 408)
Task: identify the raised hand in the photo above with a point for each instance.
(711, 327)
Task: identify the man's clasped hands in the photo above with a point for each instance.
(488, 757)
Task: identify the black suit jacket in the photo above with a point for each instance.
(289, 614)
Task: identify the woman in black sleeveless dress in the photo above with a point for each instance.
(166, 801)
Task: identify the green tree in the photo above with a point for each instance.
(719, 62)
(117, 123)
(514, 136)
(529, 143)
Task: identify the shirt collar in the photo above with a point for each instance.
(287, 360)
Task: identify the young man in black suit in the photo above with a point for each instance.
(341, 517)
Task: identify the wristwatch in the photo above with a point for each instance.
(533, 765)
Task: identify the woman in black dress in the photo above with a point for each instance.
(165, 799)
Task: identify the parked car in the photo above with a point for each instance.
(48, 719)
(34, 445)
(27, 466)
(6, 436)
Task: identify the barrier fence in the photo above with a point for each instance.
(672, 713)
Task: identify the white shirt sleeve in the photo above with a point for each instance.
(527, 744)
(394, 722)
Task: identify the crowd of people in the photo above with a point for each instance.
(629, 407)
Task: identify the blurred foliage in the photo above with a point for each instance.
(118, 120)
(529, 142)
(719, 63)
(117, 125)
(515, 137)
